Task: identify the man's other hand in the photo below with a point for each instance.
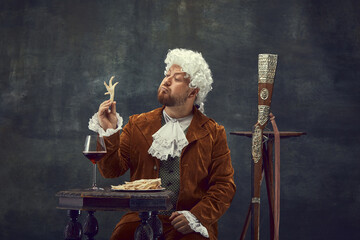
(180, 223)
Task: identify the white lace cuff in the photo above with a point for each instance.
(195, 224)
(94, 125)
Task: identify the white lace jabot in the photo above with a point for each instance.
(170, 138)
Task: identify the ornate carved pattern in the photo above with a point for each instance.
(267, 67)
(256, 144)
(263, 114)
(264, 94)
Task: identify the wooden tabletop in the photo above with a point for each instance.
(108, 200)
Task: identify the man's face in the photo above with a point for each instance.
(174, 89)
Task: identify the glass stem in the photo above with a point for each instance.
(94, 176)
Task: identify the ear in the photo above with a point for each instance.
(194, 92)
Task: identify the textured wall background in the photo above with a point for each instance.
(55, 55)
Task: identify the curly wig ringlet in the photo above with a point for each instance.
(194, 65)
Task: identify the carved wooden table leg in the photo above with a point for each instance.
(156, 225)
(144, 231)
(73, 230)
(91, 226)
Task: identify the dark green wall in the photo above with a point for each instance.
(55, 55)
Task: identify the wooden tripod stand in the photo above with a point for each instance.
(266, 168)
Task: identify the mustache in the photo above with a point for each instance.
(162, 87)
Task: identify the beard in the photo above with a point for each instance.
(166, 99)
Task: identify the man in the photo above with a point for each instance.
(177, 143)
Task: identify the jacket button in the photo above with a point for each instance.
(155, 167)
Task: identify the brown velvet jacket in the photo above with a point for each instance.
(206, 173)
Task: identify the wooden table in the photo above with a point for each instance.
(146, 203)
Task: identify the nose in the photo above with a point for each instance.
(168, 81)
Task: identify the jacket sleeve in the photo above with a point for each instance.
(116, 161)
(221, 182)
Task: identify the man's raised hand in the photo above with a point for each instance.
(107, 115)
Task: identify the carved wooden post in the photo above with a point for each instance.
(156, 225)
(91, 226)
(144, 231)
(73, 230)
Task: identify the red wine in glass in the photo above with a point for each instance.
(94, 150)
(94, 157)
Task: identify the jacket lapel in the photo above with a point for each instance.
(196, 131)
(149, 123)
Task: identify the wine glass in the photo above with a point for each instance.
(94, 150)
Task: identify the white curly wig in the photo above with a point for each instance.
(195, 66)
